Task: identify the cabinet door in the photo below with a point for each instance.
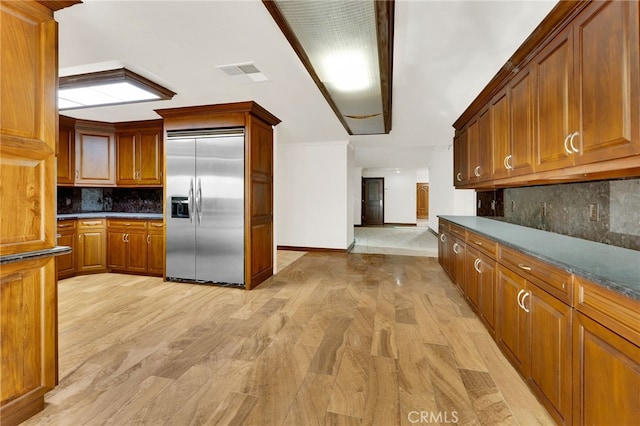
(521, 115)
(458, 249)
(487, 291)
(607, 81)
(511, 328)
(473, 276)
(443, 251)
(553, 68)
(483, 170)
(155, 248)
(95, 158)
(606, 371)
(136, 251)
(126, 159)
(92, 246)
(460, 159)
(117, 249)
(66, 156)
(549, 367)
(149, 157)
(473, 154)
(66, 264)
(501, 135)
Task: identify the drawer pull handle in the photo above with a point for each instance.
(443, 237)
(91, 223)
(476, 265)
(455, 248)
(157, 225)
(64, 226)
(523, 266)
(477, 243)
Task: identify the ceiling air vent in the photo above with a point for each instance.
(245, 72)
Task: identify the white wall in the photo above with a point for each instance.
(444, 199)
(351, 194)
(422, 176)
(313, 195)
(356, 173)
(399, 193)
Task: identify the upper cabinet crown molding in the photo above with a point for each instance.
(250, 107)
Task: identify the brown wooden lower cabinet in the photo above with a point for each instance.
(28, 303)
(606, 369)
(68, 235)
(576, 343)
(92, 246)
(102, 245)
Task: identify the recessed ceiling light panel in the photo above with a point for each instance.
(119, 86)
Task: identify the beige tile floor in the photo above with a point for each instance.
(400, 240)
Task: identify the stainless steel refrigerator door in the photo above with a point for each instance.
(180, 239)
(219, 199)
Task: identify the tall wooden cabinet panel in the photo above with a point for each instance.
(95, 156)
(66, 153)
(521, 123)
(607, 79)
(512, 321)
(66, 264)
(483, 170)
(500, 135)
(554, 116)
(258, 177)
(480, 285)
(28, 135)
(460, 158)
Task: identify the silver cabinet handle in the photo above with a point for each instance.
(77, 173)
(566, 148)
(523, 266)
(573, 147)
(123, 238)
(524, 296)
(126, 238)
(506, 163)
(455, 248)
(443, 237)
(476, 171)
(518, 298)
(459, 177)
(476, 265)
(148, 239)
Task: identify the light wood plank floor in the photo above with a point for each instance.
(333, 339)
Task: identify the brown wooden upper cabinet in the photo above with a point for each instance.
(95, 155)
(139, 153)
(66, 152)
(566, 106)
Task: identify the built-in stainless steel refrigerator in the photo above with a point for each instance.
(205, 206)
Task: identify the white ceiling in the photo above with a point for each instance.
(445, 52)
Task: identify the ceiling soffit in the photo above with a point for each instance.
(347, 48)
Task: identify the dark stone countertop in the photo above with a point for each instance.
(612, 267)
(108, 215)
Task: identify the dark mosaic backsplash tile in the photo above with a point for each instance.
(126, 200)
(570, 209)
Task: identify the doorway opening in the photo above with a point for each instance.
(372, 201)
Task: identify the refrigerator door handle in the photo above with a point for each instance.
(199, 200)
(190, 201)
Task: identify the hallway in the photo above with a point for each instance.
(399, 240)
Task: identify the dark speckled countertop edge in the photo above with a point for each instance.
(37, 254)
(108, 215)
(623, 278)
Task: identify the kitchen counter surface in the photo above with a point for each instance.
(108, 215)
(610, 266)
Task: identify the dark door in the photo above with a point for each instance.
(372, 201)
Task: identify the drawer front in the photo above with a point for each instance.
(485, 245)
(127, 224)
(458, 231)
(91, 223)
(66, 225)
(443, 226)
(615, 311)
(553, 280)
(156, 225)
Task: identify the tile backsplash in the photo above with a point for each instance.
(127, 200)
(602, 211)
